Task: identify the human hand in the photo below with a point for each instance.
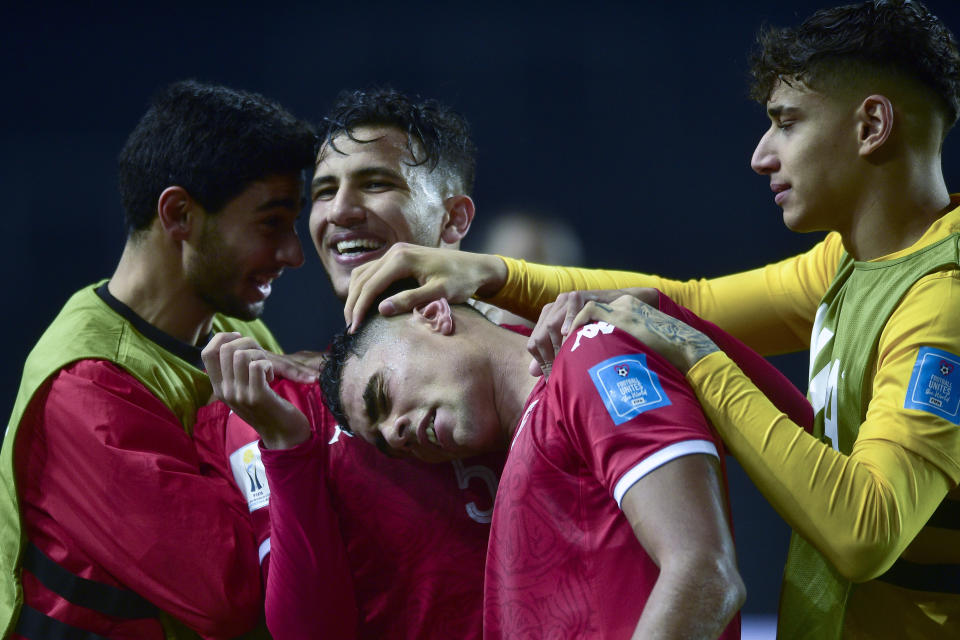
(442, 273)
(557, 318)
(679, 343)
(240, 372)
(302, 366)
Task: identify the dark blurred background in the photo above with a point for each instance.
(628, 120)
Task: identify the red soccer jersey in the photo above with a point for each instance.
(115, 491)
(563, 561)
(405, 539)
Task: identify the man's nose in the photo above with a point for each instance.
(764, 160)
(290, 252)
(398, 433)
(346, 209)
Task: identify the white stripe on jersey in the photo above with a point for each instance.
(658, 459)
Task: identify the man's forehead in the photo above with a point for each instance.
(367, 143)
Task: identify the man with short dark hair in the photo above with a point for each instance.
(391, 169)
(396, 547)
(114, 522)
(860, 98)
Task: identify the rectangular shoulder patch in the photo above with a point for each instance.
(931, 384)
(627, 387)
(251, 476)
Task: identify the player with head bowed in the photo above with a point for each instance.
(611, 519)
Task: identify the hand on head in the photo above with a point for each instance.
(442, 273)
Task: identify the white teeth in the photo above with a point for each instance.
(431, 432)
(355, 246)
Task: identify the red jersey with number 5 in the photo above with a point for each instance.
(405, 539)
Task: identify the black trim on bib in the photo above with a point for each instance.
(103, 598)
(37, 626)
(938, 578)
(181, 349)
(947, 515)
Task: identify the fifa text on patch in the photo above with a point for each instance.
(931, 389)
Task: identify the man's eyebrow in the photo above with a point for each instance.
(373, 400)
(365, 172)
(321, 180)
(779, 110)
(282, 203)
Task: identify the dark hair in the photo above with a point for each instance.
(211, 140)
(345, 345)
(898, 36)
(434, 130)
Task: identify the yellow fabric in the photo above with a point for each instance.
(770, 308)
(862, 511)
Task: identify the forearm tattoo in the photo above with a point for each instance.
(692, 344)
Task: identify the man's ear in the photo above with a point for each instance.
(875, 123)
(459, 216)
(177, 212)
(437, 315)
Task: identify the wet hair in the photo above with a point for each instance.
(896, 38)
(211, 140)
(437, 136)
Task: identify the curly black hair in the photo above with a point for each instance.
(898, 36)
(211, 140)
(437, 136)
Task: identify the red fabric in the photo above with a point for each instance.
(114, 490)
(359, 538)
(563, 560)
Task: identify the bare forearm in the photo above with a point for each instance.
(697, 600)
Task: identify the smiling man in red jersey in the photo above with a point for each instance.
(391, 169)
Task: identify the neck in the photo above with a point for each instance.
(894, 213)
(149, 282)
(508, 361)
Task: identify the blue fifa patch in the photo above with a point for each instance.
(628, 387)
(935, 373)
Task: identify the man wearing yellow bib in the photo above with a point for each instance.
(114, 521)
(860, 99)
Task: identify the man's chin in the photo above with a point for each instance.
(339, 280)
(246, 311)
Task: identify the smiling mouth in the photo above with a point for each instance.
(431, 432)
(358, 246)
